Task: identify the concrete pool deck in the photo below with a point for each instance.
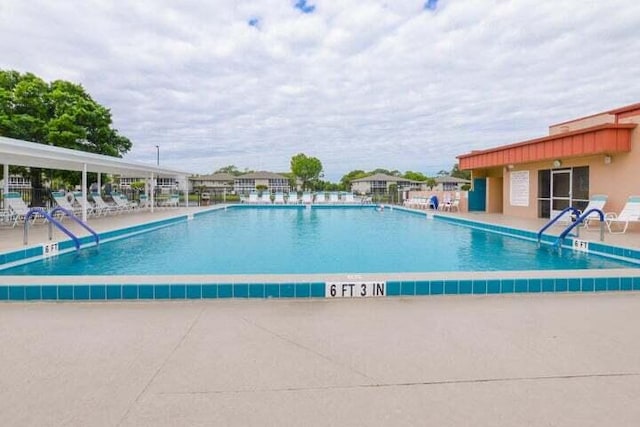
(568, 359)
(501, 360)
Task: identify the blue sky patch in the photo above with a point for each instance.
(431, 5)
(304, 7)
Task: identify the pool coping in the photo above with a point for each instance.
(58, 288)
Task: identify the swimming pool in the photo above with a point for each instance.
(329, 252)
(295, 240)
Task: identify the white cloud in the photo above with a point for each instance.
(357, 84)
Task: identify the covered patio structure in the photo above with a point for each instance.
(14, 152)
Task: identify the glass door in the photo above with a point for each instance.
(560, 190)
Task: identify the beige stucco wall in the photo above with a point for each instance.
(494, 194)
(618, 179)
(587, 122)
(361, 187)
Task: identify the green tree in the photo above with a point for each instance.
(231, 169)
(456, 172)
(431, 182)
(345, 181)
(59, 113)
(394, 172)
(415, 176)
(307, 169)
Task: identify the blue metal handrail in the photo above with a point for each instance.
(52, 220)
(575, 211)
(579, 221)
(77, 220)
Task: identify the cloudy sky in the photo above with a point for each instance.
(399, 84)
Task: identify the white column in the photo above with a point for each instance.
(152, 195)
(84, 193)
(99, 181)
(6, 178)
(186, 192)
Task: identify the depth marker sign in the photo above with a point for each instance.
(355, 289)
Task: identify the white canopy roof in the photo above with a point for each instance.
(15, 152)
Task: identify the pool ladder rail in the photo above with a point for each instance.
(49, 216)
(579, 219)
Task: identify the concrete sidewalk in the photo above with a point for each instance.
(509, 360)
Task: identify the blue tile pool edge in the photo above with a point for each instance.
(134, 289)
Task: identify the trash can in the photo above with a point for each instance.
(205, 199)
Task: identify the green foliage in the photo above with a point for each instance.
(138, 185)
(415, 176)
(394, 172)
(345, 181)
(431, 182)
(456, 172)
(59, 113)
(307, 169)
(231, 169)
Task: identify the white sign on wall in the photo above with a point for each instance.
(355, 289)
(519, 185)
(50, 249)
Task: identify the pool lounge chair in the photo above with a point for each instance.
(320, 198)
(293, 198)
(348, 198)
(145, 203)
(253, 197)
(18, 209)
(265, 197)
(333, 197)
(278, 199)
(102, 207)
(629, 213)
(172, 202)
(122, 202)
(307, 198)
(61, 200)
(445, 205)
(597, 201)
(91, 209)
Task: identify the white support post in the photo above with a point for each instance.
(153, 202)
(99, 181)
(186, 192)
(84, 192)
(6, 178)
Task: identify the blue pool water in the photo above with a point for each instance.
(330, 240)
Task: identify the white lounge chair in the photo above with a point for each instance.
(61, 200)
(629, 213)
(122, 202)
(333, 197)
(293, 198)
(253, 197)
(348, 198)
(265, 197)
(597, 201)
(445, 204)
(103, 207)
(17, 208)
(172, 202)
(80, 200)
(320, 198)
(278, 199)
(307, 198)
(145, 203)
